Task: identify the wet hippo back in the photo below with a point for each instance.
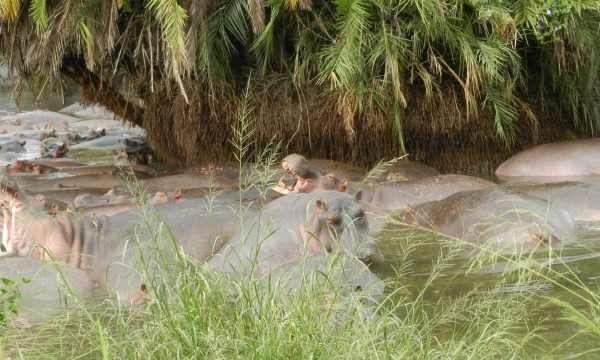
(48, 289)
(581, 200)
(397, 196)
(566, 158)
(496, 215)
(404, 170)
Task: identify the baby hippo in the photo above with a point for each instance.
(311, 180)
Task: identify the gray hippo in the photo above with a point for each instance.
(581, 200)
(140, 171)
(114, 249)
(293, 226)
(293, 162)
(13, 146)
(41, 119)
(326, 273)
(403, 170)
(399, 196)
(565, 158)
(47, 288)
(497, 216)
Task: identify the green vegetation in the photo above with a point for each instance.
(490, 74)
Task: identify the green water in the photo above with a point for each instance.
(559, 338)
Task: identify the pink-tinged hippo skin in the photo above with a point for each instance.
(293, 163)
(183, 182)
(114, 249)
(339, 169)
(294, 226)
(186, 182)
(581, 200)
(57, 164)
(404, 170)
(399, 196)
(41, 119)
(67, 195)
(566, 158)
(140, 171)
(497, 216)
(50, 288)
(101, 181)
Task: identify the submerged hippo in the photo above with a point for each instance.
(40, 118)
(293, 226)
(294, 162)
(49, 287)
(581, 200)
(399, 196)
(346, 276)
(497, 216)
(565, 158)
(110, 249)
(403, 170)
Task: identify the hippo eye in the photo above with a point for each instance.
(360, 214)
(334, 220)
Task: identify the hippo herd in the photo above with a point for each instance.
(121, 229)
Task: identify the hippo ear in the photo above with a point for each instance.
(321, 205)
(22, 143)
(342, 186)
(358, 195)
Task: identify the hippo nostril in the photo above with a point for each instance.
(358, 288)
(2, 248)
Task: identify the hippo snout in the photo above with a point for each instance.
(370, 254)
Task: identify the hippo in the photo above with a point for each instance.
(497, 216)
(339, 169)
(101, 181)
(293, 226)
(40, 118)
(66, 195)
(13, 147)
(402, 170)
(108, 142)
(48, 288)
(293, 162)
(140, 171)
(310, 180)
(186, 182)
(399, 196)
(346, 276)
(138, 150)
(110, 248)
(90, 135)
(581, 200)
(565, 158)
(53, 149)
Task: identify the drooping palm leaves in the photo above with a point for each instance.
(500, 58)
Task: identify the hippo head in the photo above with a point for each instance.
(343, 224)
(9, 203)
(292, 163)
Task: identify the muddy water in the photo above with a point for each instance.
(582, 257)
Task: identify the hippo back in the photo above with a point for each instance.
(496, 215)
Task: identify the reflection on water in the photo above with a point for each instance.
(578, 260)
